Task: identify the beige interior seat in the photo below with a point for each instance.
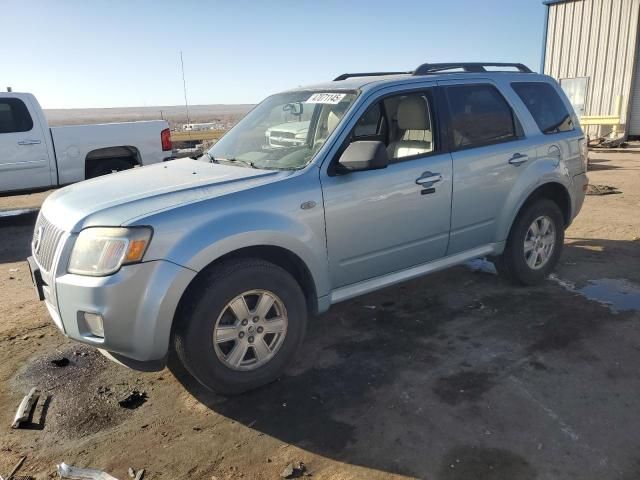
(413, 118)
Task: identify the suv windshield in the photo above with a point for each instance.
(284, 131)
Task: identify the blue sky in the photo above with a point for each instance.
(98, 53)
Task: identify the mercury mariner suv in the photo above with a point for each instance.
(399, 174)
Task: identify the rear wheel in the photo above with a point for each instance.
(241, 326)
(108, 165)
(534, 244)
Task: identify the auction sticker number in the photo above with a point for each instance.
(330, 98)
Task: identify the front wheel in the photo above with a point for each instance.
(241, 325)
(534, 244)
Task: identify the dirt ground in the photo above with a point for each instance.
(456, 376)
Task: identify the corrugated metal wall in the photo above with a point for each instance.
(595, 39)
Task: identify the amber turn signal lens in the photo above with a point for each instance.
(136, 250)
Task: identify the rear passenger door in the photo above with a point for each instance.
(490, 152)
(24, 161)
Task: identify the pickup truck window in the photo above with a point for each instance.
(285, 131)
(14, 116)
(479, 116)
(545, 106)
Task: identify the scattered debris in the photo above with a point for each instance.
(15, 469)
(60, 362)
(14, 270)
(370, 307)
(601, 190)
(288, 471)
(133, 400)
(75, 473)
(294, 471)
(25, 410)
(131, 472)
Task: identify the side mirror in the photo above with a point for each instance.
(364, 155)
(295, 108)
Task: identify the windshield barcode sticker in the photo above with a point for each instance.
(330, 98)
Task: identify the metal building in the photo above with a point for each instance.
(591, 48)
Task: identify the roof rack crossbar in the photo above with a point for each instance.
(344, 76)
(427, 68)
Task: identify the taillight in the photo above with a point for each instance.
(584, 153)
(165, 139)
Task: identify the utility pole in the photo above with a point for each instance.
(184, 86)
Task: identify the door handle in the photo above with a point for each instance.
(518, 159)
(428, 179)
(29, 142)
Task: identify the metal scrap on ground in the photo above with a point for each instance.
(75, 473)
(15, 470)
(601, 190)
(133, 400)
(25, 409)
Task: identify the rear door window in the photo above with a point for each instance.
(14, 116)
(545, 105)
(479, 116)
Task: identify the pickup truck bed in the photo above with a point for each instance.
(34, 156)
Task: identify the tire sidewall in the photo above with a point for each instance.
(518, 264)
(198, 351)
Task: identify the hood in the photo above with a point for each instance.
(113, 199)
(290, 127)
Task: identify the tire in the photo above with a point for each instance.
(516, 265)
(107, 166)
(207, 310)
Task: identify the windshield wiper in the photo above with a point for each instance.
(237, 160)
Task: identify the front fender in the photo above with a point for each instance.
(538, 173)
(202, 242)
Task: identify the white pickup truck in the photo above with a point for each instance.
(35, 156)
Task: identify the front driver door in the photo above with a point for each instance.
(383, 221)
(24, 162)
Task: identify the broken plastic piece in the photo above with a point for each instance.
(133, 400)
(75, 473)
(25, 409)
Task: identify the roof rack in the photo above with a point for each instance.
(427, 68)
(432, 68)
(344, 76)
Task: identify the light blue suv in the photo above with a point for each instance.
(401, 174)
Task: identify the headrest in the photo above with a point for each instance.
(413, 114)
(332, 121)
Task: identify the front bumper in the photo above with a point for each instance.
(137, 305)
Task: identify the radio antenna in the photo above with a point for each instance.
(184, 86)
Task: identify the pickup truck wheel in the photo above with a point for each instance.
(534, 244)
(108, 165)
(241, 326)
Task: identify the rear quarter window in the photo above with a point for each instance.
(545, 105)
(479, 116)
(14, 116)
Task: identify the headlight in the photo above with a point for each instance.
(102, 251)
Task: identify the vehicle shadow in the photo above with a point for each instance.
(15, 237)
(378, 376)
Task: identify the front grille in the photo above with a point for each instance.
(46, 237)
(283, 134)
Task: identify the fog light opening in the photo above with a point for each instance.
(94, 324)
